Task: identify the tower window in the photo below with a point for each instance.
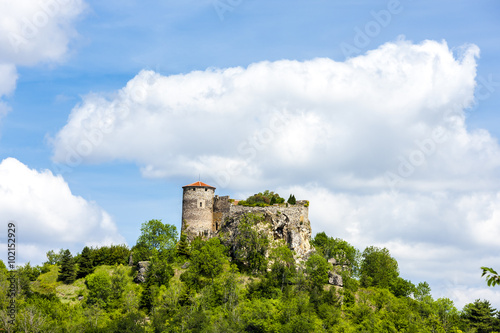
(201, 204)
(206, 189)
(194, 189)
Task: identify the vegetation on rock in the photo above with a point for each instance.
(208, 287)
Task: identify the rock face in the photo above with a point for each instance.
(142, 271)
(290, 224)
(335, 279)
(206, 214)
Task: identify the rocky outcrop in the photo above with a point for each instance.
(290, 224)
(335, 279)
(142, 269)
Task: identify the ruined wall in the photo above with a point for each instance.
(288, 223)
(222, 207)
(197, 211)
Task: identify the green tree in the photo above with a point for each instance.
(378, 268)
(422, 291)
(100, 289)
(480, 316)
(262, 199)
(67, 271)
(283, 268)
(317, 269)
(155, 237)
(446, 312)
(291, 199)
(85, 263)
(209, 260)
(343, 252)
(250, 246)
(401, 287)
(54, 258)
(118, 287)
(183, 251)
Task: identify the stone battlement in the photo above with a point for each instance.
(205, 214)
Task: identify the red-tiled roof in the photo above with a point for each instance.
(198, 184)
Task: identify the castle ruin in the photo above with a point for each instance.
(206, 214)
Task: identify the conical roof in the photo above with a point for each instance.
(199, 184)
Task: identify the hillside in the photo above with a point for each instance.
(247, 285)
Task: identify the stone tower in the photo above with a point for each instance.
(197, 209)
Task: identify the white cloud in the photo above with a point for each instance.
(349, 123)
(378, 144)
(47, 215)
(33, 31)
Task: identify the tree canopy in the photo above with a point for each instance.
(156, 237)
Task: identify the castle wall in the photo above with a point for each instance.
(290, 224)
(197, 211)
(222, 207)
(206, 214)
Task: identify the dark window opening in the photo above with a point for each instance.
(206, 189)
(201, 204)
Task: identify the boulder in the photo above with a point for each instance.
(142, 268)
(335, 279)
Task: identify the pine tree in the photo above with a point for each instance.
(85, 264)
(67, 270)
(291, 199)
(183, 247)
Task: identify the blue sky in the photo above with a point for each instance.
(162, 59)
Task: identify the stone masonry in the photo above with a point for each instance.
(205, 214)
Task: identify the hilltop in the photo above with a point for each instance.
(244, 282)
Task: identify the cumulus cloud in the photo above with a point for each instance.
(33, 31)
(351, 123)
(37, 30)
(378, 143)
(47, 215)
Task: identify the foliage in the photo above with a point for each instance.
(291, 200)
(262, 199)
(32, 273)
(250, 245)
(100, 289)
(210, 294)
(343, 252)
(105, 255)
(317, 269)
(183, 251)
(159, 274)
(492, 277)
(378, 268)
(481, 316)
(283, 267)
(110, 255)
(156, 237)
(85, 263)
(207, 260)
(67, 272)
(54, 258)
(422, 291)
